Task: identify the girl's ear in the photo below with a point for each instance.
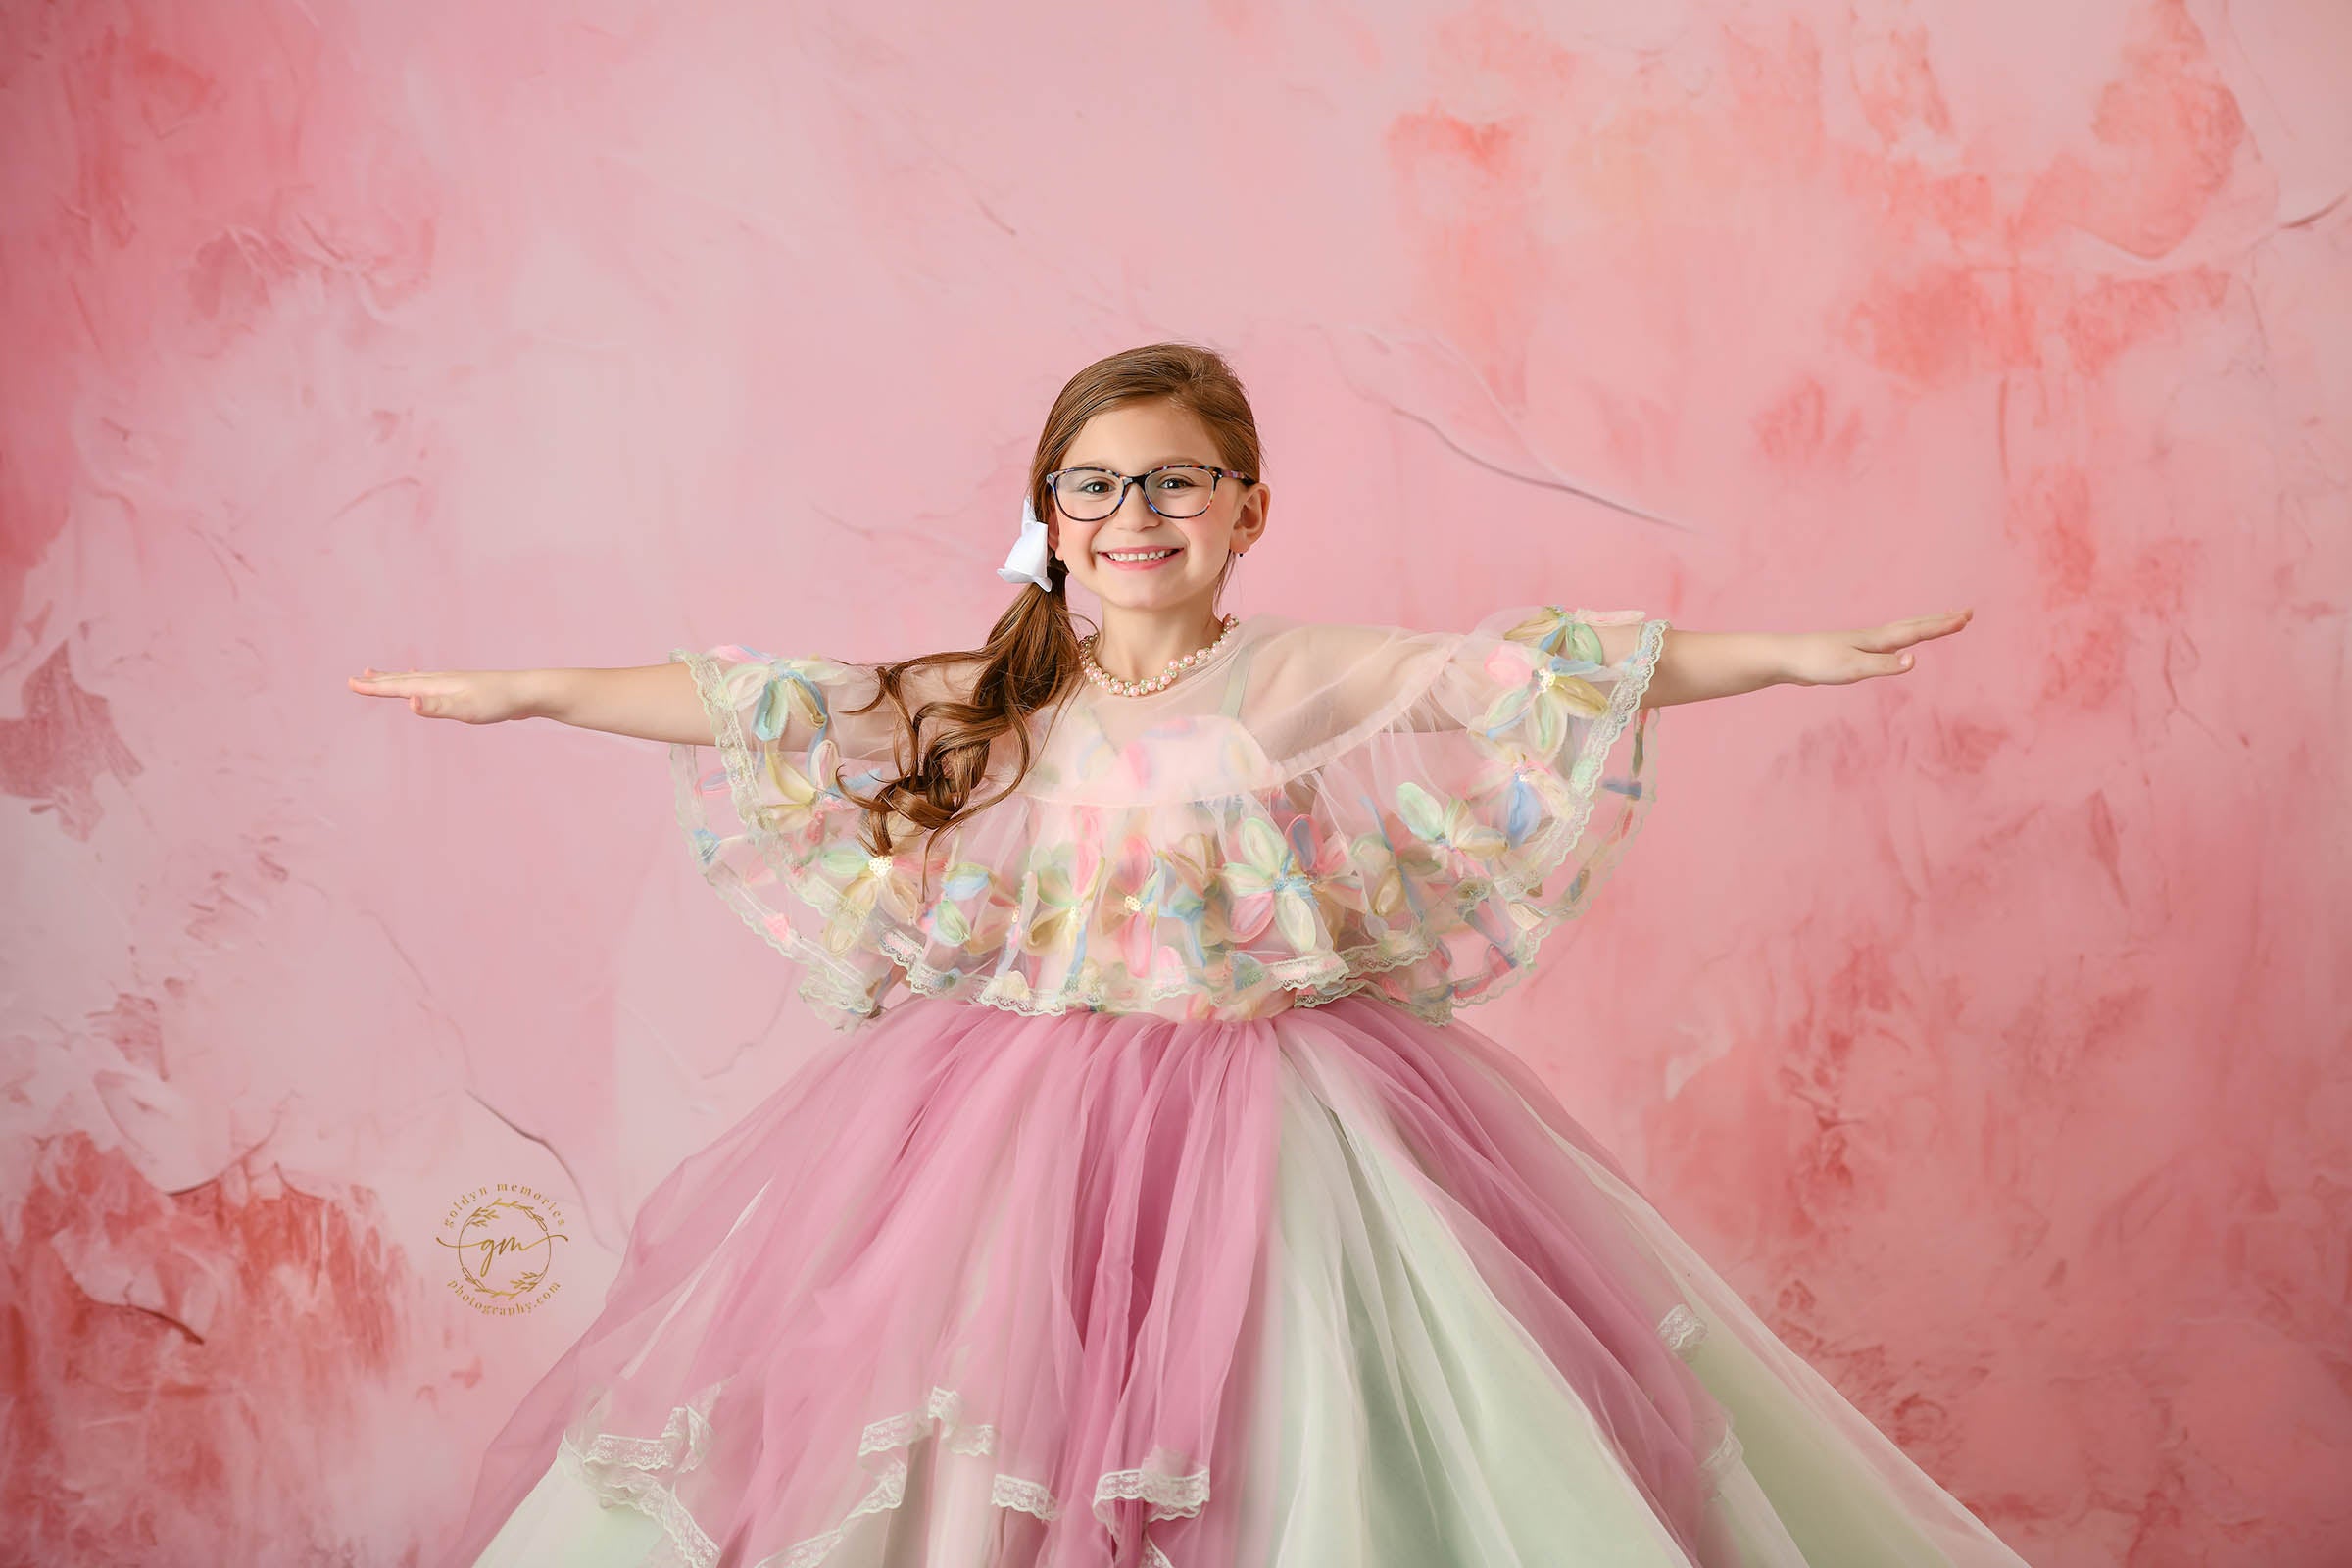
(1252, 519)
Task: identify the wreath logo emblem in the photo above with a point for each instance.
(503, 1239)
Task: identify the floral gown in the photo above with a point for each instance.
(1167, 1215)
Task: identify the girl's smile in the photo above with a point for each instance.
(1143, 558)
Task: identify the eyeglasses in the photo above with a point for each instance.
(1173, 490)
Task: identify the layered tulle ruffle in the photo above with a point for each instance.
(981, 1290)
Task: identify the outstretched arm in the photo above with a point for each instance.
(1695, 666)
(651, 702)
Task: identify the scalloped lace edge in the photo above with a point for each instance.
(623, 1471)
(843, 997)
(1682, 1330)
(626, 1471)
(630, 1471)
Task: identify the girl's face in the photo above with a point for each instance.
(1131, 439)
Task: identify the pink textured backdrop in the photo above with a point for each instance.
(1986, 1026)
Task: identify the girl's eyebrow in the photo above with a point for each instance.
(1157, 462)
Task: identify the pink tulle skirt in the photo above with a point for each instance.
(1329, 1286)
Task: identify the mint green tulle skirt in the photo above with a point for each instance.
(1333, 1286)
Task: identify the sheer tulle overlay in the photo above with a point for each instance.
(1334, 1285)
(1317, 810)
(1176, 1219)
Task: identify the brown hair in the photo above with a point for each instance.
(1031, 656)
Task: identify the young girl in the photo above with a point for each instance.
(1173, 1216)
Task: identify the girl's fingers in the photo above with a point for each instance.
(1917, 629)
(377, 683)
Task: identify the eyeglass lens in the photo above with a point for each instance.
(1091, 493)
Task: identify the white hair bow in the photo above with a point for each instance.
(1026, 562)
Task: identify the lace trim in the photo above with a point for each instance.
(640, 1473)
(620, 1470)
(845, 997)
(683, 1444)
(627, 1471)
(1725, 1455)
(942, 1415)
(1682, 1330)
(1169, 1496)
(1028, 1496)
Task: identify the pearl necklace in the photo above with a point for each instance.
(1144, 688)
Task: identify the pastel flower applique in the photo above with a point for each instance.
(784, 696)
(1268, 885)
(973, 910)
(798, 802)
(1150, 889)
(1521, 789)
(1299, 879)
(866, 881)
(1394, 866)
(1558, 632)
(1061, 883)
(1544, 702)
(1448, 823)
(787, 689)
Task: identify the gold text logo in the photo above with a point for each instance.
(503, 1238)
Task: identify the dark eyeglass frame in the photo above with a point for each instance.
(1053, 489)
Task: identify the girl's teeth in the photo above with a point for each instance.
(1137, 555)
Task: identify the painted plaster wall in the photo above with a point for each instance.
(1986, 1026)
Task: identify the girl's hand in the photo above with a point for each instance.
(470, 696)
(1841, 658)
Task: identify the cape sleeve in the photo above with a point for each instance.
(1334, 808)
(769, 826)
(1512, 766)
